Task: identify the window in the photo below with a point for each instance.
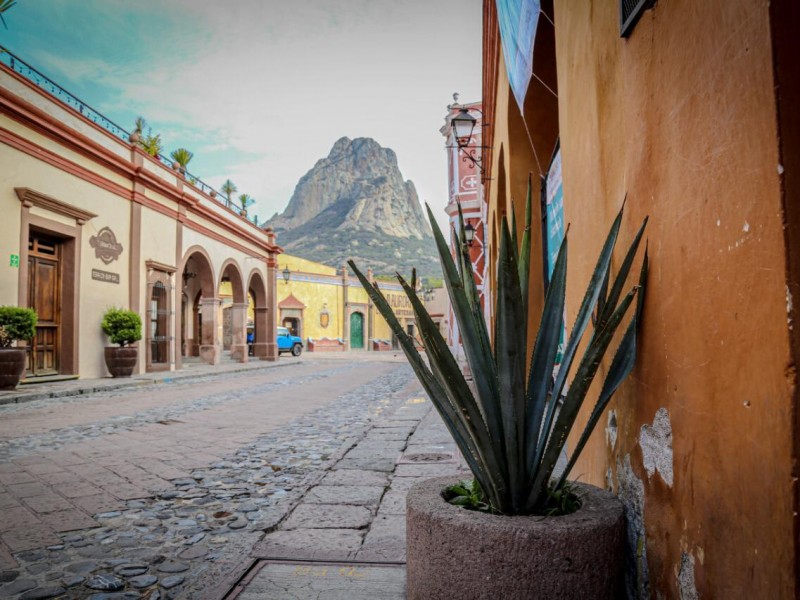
(629, 13)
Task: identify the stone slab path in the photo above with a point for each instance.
(163, 491)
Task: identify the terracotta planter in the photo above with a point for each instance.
(121, 361)
(453, 552)
(12, 365)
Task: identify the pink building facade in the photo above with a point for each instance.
(465, 188)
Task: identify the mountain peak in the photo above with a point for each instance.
(358, 196)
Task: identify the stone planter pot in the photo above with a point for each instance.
(454, 552)
(121, 361)
(12, 365)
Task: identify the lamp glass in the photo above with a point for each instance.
(286, 274)
(469, 233)
(463, 124)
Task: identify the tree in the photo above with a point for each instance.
(229, 188)
(246, 200)
(182, 156)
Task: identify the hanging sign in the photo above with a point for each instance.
(518, 20)
(554, 212)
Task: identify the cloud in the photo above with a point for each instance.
(260, 90)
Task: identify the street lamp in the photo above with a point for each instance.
(287, 274)
(463, 126)
(469, 234)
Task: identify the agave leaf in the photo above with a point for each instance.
(413, 278)
(525, 252)
(475, 336)
(467, 274)
(510, 349)
(621, 366)
(461, 398)
(545, 351)
(584, 313)
(619, 281)
(434, 389)
(514, 238)
(574, 399)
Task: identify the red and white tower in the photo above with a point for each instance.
(466, 190)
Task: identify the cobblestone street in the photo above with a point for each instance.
(164, 490)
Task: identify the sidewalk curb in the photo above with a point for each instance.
(137, 380)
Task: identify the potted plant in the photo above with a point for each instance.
(16, 324)
(124, 327)
(531, 532)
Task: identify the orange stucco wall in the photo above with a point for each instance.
(681, 117)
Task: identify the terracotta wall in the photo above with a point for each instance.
(700, 443)
(681, 117)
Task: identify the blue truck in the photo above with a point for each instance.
(288, 342)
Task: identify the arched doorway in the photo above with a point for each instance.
(199, 332)
(356, 331)
(233, 310)
(158, 327)
(257, 290)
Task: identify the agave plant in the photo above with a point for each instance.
(246, 200)
(513, 427)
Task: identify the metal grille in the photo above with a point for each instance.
(629, 13)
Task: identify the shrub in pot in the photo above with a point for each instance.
(531, 533)
(124, 327)
(16, 324)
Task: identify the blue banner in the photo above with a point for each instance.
(554, 216)
(518, 20)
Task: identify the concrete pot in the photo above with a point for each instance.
(121, 361)
(12, 365)
(454, 552)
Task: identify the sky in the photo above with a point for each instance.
(260, 90)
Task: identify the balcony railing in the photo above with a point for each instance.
(43, 82)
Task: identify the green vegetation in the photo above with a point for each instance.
(513, 429)
(122, 326)
(4, 6)
(229, 188)
(182, 156)
(16, 324)
(246, 200)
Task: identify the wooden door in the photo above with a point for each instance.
(44, 296)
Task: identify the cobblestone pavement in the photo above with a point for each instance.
(162, 491)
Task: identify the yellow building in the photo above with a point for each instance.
(331, 311)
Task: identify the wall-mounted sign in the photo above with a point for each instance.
(99, 275)
(105, 245)
(14, 260)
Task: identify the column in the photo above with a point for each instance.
(239, 343)
(345, 309)
(210, 349)
(261, 347)
(271, 325)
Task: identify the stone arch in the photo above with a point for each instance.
(257, 288)
(199, 283)
(230, 269)
(197, 261)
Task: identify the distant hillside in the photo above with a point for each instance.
(355, 204)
